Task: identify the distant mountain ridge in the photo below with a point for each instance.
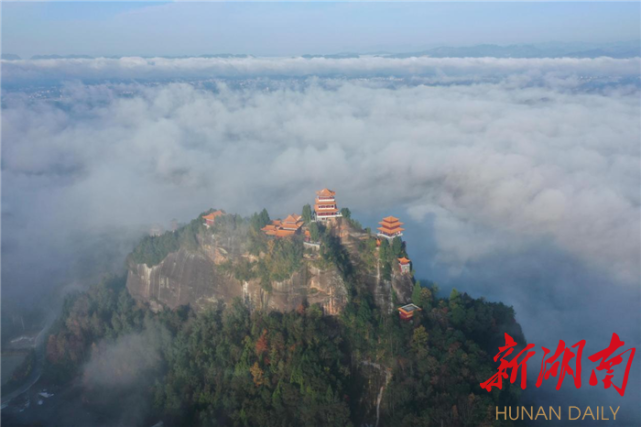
(215, 55)
(62, 57)
(619, 50)
(548, 50)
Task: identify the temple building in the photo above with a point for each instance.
(405, 265)
(211, 218)
(293, 222)
(390, 228)
(270, 229)
(285, 228)
(325, 205)
(407, 311)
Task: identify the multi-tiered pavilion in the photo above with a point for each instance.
(390, 227)
(325, 205)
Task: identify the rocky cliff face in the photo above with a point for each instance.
(195, 277)
(182, 278)
(192, 278)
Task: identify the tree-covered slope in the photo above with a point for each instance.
(230, 366)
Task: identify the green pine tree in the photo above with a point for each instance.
(307, 214)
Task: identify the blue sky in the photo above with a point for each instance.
(122, 28)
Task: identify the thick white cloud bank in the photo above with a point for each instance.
(525, 161)
(440, 69)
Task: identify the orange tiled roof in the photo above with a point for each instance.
(404, 260)
(212, 216)
(292, 219)
(390, 230)
(390, 227)
(325, 193)
(409, 309)
(292, 222)
(284, 228)
(390, 221)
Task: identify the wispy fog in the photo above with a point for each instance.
(519, 178)
(121, 374)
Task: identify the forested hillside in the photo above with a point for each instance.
(230, 366)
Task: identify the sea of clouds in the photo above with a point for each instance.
(519, 177)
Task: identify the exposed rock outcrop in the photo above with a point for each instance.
(182, 278)
(197, 278)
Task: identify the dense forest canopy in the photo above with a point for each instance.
(228, 366)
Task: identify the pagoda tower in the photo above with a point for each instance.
(325, 205)
(390, 228)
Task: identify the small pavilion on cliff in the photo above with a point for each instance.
(407, 311)
(325, 205)
(405, 265)
(390, 227)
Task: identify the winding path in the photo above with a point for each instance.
(388, 378)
